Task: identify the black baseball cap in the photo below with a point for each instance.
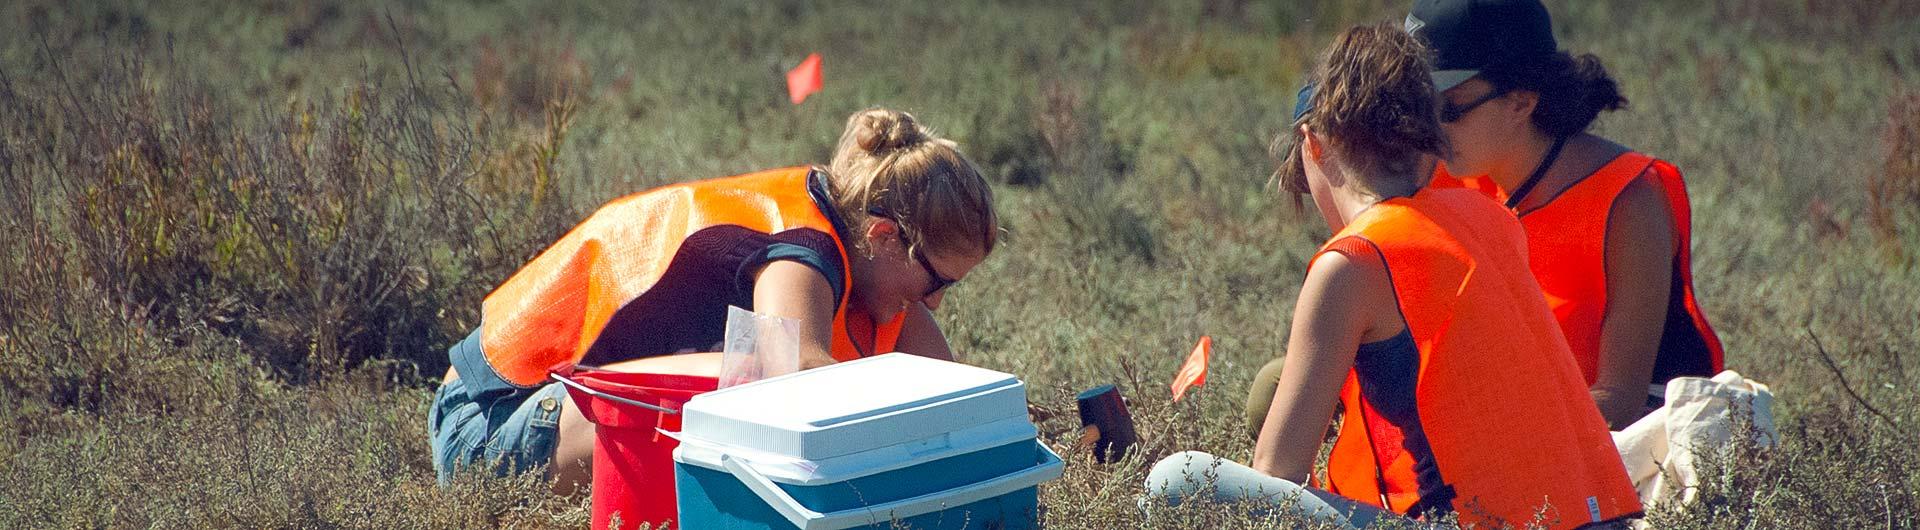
(1467, 36)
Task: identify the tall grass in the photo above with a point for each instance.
(237, 239)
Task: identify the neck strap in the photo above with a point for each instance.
(1520, 193)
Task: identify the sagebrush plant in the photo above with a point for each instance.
(235, 240)
(1894, 201)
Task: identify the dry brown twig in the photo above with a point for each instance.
(1835, 368)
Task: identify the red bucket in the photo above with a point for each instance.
(632, 461)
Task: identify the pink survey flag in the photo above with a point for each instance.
(1194, 371)
(804, 80)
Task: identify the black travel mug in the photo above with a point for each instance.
(1102, 409)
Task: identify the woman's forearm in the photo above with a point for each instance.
(1639, 257)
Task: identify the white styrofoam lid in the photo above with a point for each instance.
(853, 406)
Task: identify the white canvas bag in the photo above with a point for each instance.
(1661, 450)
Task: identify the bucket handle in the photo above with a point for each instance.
(1048, 469)
(609, 397)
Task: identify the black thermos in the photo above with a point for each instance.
(1102, 409)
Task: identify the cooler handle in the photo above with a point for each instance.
(609, 397)
(1048, 469)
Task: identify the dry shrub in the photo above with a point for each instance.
(1007, 144)
(1812, 18)
(1074, 131)
(168, 263)
(524, 78)
(321, 234)
(1831, 465)
(1088, 167)
(1893, 193)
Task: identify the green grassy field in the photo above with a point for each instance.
(235, 240)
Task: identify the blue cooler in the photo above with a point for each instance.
(863, 444)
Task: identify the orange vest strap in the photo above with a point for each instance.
(1678, 204)
(1355, 248)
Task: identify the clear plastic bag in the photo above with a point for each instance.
(758, 347)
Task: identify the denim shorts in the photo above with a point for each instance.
(508, 433)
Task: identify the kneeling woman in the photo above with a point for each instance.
(1419, 321)
(859, 253)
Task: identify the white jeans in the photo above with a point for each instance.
(1194, 476)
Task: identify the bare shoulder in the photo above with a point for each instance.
(1584, 155)
(790, 289)
(1639, 224)
(1597, 147)
(1641, 202)
(1353, 282)
(793, 277)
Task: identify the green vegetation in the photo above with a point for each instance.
(237, 239)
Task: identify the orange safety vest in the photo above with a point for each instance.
(550, 312)
(1501, 426)
(1566, 241)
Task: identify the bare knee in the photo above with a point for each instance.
(1260, 395)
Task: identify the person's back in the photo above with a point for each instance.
(1490, 420)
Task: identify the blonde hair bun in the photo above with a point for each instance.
(878, 131)
(887, 162)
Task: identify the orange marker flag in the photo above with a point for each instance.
(1194, 371)
(804, 80)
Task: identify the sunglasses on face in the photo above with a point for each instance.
(1450, 112)
(935, 282)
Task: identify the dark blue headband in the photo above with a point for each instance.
(1303, 102)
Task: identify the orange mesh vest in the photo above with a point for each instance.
(1491, 420)
(1566, 242)
(549, 313)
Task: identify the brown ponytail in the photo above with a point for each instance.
(1573, 90)
(1373, 100)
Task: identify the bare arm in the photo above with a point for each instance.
(920, 334)
(1340, 306)
(790, 289)
(1639, 267)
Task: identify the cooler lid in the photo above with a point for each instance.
(852, 407)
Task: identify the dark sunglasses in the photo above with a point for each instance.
(1450, 113)
(935, 282)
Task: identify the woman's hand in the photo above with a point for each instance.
(920, 334)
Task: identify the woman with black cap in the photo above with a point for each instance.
(1607, 227)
